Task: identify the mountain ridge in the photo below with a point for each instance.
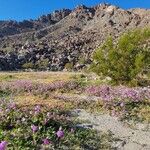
(66, 37)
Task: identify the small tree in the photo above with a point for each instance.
(125, 59)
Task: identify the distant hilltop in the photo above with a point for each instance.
(65, 38)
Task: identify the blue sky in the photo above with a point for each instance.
(31, 9)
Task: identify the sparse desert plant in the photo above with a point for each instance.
(82, 60)
(28, 65)
(69, 66)
(42, 64)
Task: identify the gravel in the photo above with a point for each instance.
(129, 139)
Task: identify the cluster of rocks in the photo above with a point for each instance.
(64, 39)
(30, 53)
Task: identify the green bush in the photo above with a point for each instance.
(125, 59)
(28, 65)
(69, 66)
(42, 64)
(82, 60)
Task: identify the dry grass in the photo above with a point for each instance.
(28, 100)
(43, 77)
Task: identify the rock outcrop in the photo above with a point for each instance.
(65, 38)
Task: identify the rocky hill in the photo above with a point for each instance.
(65, 38)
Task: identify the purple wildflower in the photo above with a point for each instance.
(3, 145)
(34, 128)
(37, 109)
(46, 141)
(60, 133)
(110, 93)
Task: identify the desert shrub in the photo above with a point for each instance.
(69, 66)
(82, 60)
(42, 64)
(125, 59)
(28, 65)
